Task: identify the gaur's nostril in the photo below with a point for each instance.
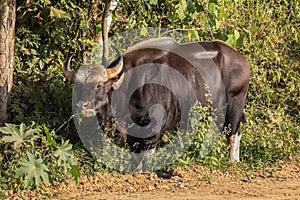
(86, 105)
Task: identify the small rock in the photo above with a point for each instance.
(281, 179)
(150, 187)
(246, 180)
(262, 176)
(226, 174)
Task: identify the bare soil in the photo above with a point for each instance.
(282, 182)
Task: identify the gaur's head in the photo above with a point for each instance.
(92, 84)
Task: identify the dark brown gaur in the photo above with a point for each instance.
(232, 68)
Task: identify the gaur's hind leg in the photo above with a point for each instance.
(234, 141)
(235, 115)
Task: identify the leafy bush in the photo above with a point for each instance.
(271, 43)
(209, 146)
(31, 154)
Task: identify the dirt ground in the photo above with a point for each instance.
(197, 182)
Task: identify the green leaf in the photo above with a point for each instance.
(214, 8)
(144, 31)
(75, 173)
(230, 40)
(180, 12)
(184, 5)
(153, 2)
(191, 7)
(222, 14)
(195, 35)
(49, 136)
(64, 155)
(73, 5)
(16, 135)
(239, 42)
(56, 13)
(212, 20)
(33, 169)
(5, 130)
(236, 34)
(98, 28)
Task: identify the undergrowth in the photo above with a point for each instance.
(266, 32)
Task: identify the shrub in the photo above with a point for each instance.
(32, 154)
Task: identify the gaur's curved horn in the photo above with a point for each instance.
(67, 70)
(114, 71)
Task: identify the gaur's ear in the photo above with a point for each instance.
(116, 85)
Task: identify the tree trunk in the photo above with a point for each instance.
(105, 33)
(7, 28)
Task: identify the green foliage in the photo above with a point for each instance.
(63, 153)
(46, 32)
(18, 136)
(266, 32)
(272, 131)
(209, 146)
(33, 169)
(49, 158)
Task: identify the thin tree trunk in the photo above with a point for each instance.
(105, 32)
(7, 29)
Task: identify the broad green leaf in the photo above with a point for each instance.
(64, 155)
(16, 135)
(33, 169)
(193, 16)
(180, 12)
(5, 130)
(191, 7)
(98, 28)
(13, 127)
(212, 21)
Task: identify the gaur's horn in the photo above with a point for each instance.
(114, 71)
(67, 70)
